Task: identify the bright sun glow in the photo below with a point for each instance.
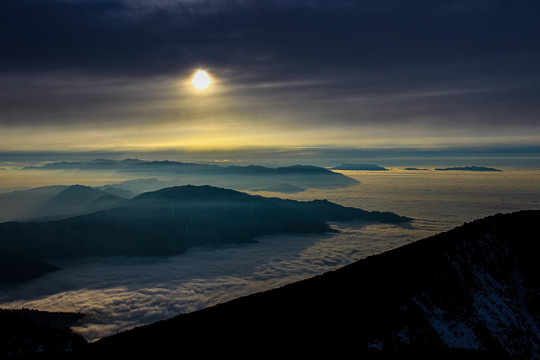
(201, 80)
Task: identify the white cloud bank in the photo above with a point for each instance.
(120, 293)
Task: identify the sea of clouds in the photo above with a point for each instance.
(119, 293)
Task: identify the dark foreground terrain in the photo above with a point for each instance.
(32, 334)
(472, 292)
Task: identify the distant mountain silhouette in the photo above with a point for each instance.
(117, 191)
(370, 167)
(175, 167)
(468, 168)
(75, 200)
(171, 220)
(96, 164)
(283, 188)
(138, 186)
(471, 292)
(54, 202)
(21, 204)
(234, 176)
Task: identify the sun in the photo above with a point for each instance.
(201, 80)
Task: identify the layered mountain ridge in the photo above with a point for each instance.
(231, 176)
(169, 221)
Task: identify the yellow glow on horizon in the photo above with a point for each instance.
(224, 132)
(201, 80)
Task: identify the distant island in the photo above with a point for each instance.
(414, 169)
(468, 168)
(283, 188)
(230, 176)
(166, 222)
(368, 167)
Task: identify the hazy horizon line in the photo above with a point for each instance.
(529, 155)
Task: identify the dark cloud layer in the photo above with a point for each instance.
(119, 36)
(435, 63)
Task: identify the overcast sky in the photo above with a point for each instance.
(113, 75)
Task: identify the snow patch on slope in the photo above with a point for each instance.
(453, 332)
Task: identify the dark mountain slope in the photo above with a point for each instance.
(15, 268)
(328, 211)
(167, 222)
(470, 292)
(28, 334)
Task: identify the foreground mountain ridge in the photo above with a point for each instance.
(470, 292)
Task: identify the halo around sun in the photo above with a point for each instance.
(201, 80)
